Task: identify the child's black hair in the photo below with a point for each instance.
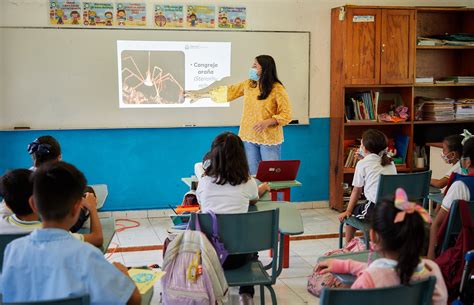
(228, 161)
(16, 189)
(376, 142)
(44, 149)
(454, 143)
(57, 186)
(468, 150)
(404, 238)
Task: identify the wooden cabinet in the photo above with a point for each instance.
(380, 46)
(398, 46)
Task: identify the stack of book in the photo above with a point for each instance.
(352, 156)
(424, 79)
(457, 79)
(464, 109)
(434, 109)
(361, 106)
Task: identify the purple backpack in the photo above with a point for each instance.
(221, 251)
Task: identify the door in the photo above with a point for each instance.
(363, 46)
(398, 46)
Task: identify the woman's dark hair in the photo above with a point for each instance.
(405, 238)
(268, 76)
(454, 143)
(376, 142)
(468, 149)
(228, 162)
(44, 149)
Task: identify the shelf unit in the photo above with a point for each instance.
(381, 55)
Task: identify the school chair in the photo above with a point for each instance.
(417, 186)
(248, 233)
(82, 300)
(5, 239)
(455, 224)
(417, 293)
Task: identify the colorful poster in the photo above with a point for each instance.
(98, 14)
(131, 14)
(169, 16)
(200, 16)
(64, 12)
(232, 17)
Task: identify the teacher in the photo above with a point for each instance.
(266, 110)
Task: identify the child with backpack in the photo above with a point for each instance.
(397, 230)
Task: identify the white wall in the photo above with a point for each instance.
(278, 15)
(2, 10)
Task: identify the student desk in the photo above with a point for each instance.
(108, 231)
(435, 196)
(290, 223)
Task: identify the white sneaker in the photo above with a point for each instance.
(245, 299)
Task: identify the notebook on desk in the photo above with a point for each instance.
(279, 170)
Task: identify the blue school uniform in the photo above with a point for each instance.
(51, 264)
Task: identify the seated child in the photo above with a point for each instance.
(462, 188)
(452, 151)
(49, 263)
(397, 229)
(367, 174)
(16, 187)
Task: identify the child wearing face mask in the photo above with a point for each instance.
(452, 151)
(367, 173)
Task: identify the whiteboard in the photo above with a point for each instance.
(67, 78)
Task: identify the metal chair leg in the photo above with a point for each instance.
(341, 229)
(272, 294)
(262, 295)
(367, 239)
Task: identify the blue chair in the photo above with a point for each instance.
(418, 293)
(5, 239)
(244, 234)
(82, 300)
(454, 224)
(417, 186)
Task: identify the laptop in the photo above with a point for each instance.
(280, 170)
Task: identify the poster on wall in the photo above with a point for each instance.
(64, 12)
(98, 14)
(169, 16)
(232, 17)
(201, 16)
(131, 14)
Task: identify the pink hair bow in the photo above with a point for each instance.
(407, 207)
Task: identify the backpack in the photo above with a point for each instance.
(451, 261)
(194, 275)
(317, 282)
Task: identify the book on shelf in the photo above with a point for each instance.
(361, 106)
(436, 109)
(424, 79)
(444, 81)
(464, 109)
(352, 156)
(401, 144)
(459, 79)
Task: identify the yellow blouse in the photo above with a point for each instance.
(276, 105)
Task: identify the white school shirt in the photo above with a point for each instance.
(367, 175)
(456, 168)
(457, 191)
(225, 199)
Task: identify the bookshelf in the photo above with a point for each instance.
(382, 55)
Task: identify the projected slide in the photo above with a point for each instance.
(154, 74)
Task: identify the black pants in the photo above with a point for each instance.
(237, 261)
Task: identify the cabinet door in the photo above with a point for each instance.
(363, 46)
(398, 46)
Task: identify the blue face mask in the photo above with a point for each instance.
(253, 74)
(361, 151)
(464, 170)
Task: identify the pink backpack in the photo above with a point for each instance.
(317, 282)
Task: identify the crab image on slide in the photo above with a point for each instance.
(152, 85)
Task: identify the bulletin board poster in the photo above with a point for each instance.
(64, 12)
(200, 16)
(98, 14)
(232, 17)
(131, 14)
(169, 16)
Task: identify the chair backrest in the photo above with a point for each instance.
(417, 186)
(454, 224)
(5, 239)
(418, 293)
(243, 233)
(82, 300)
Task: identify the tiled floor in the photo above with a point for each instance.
(291, 285)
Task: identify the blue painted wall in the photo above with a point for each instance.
(143, 167)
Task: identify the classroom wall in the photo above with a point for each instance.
(142, 166)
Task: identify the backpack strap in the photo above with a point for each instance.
(215, 229)
(197, 225)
